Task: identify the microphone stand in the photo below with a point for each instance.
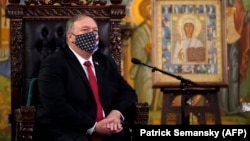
(184, 89)
(184, 83)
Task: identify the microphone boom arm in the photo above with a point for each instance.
(170, 74)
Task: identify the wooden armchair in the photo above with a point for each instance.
(37, 30)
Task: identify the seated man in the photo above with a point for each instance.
(83, 95)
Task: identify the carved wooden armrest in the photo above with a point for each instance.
(25, 118)
(142, 113)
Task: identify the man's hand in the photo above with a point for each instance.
(115, 123)
(101, 127)
(111, 124)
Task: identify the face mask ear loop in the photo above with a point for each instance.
(73, 33)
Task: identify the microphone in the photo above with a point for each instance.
(138, 62)
(135, 61)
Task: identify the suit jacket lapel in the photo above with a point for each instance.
(76, 65)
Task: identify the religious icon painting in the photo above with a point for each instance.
(189, 41)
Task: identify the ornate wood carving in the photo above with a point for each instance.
(116, 50)
(115, 39)
(16, 43)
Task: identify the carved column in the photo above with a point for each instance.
(118, 12)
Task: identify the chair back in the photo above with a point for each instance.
(37, 30)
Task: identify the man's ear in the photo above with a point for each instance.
(70, 37)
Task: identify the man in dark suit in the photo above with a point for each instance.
(68, 107)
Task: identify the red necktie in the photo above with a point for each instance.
(94, 87)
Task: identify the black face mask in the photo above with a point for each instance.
(88, 41)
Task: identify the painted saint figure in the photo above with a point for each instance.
(188, 40)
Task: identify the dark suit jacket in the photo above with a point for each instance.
(68, 108)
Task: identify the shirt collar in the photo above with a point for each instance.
(81, 59)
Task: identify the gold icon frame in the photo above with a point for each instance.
(208, 17)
